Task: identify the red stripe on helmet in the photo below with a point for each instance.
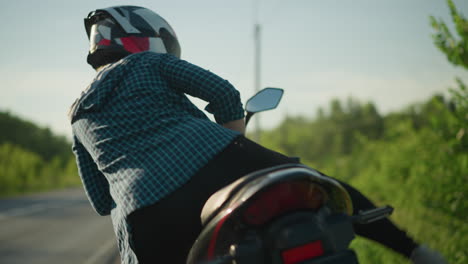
(104, 42)
(135, 44)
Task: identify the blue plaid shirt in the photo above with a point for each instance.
(137, 137)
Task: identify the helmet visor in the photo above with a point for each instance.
(100, 34)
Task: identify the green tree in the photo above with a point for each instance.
(455, 48)
(29, 136)
(33, 158)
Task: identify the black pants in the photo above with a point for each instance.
(164, 232)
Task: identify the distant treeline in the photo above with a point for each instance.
(32, 158)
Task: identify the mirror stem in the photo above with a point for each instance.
(247, 117)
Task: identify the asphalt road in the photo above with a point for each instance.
(55, 227)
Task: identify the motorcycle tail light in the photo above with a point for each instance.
(281, 198)
(303, 252)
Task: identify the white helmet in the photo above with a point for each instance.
(118, 31)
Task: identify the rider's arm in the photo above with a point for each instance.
(237, 125)
(224, 100)
(94, 182)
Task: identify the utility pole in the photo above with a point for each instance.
(257, 31)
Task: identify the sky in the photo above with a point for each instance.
(372, 50)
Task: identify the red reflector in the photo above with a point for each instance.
(281, 198)
(301, 253)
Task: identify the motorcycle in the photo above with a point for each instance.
(288, 214)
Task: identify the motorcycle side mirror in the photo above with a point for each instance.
(266, 99)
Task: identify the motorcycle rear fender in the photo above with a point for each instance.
(220, 215)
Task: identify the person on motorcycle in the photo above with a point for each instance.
(150, 158)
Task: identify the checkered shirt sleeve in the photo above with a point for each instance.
(94, 182)
(224, 99)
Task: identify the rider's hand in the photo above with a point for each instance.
(425, 255)
(237, 125)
